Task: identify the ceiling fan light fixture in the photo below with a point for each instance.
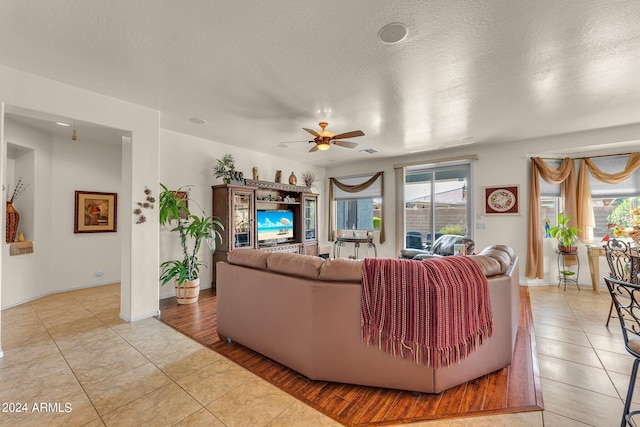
(323, 146)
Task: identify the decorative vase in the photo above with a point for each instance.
(188, 292)
(13, 218)
(292, 179)
(278, 175)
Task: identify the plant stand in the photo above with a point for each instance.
(568, 268)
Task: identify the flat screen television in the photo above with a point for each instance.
(274, 226)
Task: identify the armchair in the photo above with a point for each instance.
(443, 246)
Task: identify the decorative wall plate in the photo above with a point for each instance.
(501, 200)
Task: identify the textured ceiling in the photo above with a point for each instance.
(258, 71)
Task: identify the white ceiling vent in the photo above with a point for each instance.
(369, 151)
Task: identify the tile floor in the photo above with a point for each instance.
(72, 361)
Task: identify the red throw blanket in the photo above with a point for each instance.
(435, 312)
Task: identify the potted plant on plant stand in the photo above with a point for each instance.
(192, 230)
(566, 236)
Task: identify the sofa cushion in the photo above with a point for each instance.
(341, 270)
(501, 253)
(248, 258)
(306, 266)
(490, 266)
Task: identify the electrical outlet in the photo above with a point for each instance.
(480, 225)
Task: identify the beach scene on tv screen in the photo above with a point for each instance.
(275, 225)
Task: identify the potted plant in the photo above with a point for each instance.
(224, 168)
(192, 230)
(566, 236)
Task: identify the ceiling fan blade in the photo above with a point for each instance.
(312, 132)
(351, 134)
(314, 148)
(346, 144)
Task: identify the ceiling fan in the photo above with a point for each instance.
(324, 138)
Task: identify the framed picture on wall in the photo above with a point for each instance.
(184, 196)
(502, 200)
(95, 212)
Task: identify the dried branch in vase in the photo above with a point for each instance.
(18, 190)
(309, 177)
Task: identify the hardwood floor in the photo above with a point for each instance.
(512, 389)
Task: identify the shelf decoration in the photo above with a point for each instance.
(147, 204)
(309, 177)
(12, 216)
(503, 200)
(225, 168)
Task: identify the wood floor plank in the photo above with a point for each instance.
(426, 406)
(512, 389)
(498, 380)
(402, 407)
(450, 400)
(378, 407)
(360, 403)
(474, 395)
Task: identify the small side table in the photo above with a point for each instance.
(568, 268)
(342, 241)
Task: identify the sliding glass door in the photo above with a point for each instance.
(436, 202)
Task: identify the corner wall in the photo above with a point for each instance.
(140, 159)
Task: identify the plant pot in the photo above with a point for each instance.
(188, 292)
(567, 249)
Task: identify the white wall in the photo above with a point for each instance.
(187, 160)
(86, 166)
(501, 164)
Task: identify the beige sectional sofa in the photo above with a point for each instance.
(304, 312)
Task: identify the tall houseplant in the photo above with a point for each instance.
(566, 236)
(192, 230)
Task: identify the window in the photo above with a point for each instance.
(436, 201)
(361, 210)
(611, 203)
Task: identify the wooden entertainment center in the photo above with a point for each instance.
(237, 205)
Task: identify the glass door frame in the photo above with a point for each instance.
(433, 169)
